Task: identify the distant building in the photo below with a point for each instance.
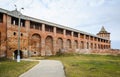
(41, 38)
(103, 33)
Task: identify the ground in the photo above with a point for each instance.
(75, 65)
(89, 65)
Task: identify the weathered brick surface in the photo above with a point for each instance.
(106, 51)
(3, 38)
(44, 40)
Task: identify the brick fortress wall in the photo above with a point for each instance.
(41, 38)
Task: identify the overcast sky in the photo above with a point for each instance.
(84, 15)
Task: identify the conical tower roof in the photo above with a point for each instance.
(103, 30)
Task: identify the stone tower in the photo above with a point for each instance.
(103, 33)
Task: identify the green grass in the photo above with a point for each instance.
(89, 65)
(75, 65)
(9, 68)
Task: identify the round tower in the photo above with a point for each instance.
(103, 33)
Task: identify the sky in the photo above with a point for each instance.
(84, 15)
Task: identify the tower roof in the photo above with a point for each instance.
(103, 30)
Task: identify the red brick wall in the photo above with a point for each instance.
(41, 41)
(3, 38)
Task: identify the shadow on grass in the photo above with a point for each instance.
(5, 59)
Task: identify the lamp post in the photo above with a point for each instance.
(18, 53)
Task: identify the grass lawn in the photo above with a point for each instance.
(89, 65)
(9, 68)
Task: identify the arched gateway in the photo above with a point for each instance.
(16, 53)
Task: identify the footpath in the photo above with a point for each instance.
(46, 68)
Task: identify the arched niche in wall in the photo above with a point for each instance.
(48, 46)
(59, 44)
(36, 44)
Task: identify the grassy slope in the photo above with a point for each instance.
(10, 68)
(90, 65)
